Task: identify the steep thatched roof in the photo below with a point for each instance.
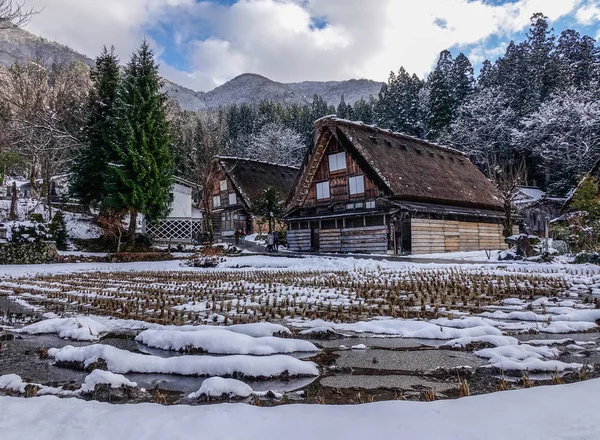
(408, 168)
(250, 177)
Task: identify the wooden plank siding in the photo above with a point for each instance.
(438, 236)
(330, 240)
(299, 241)
(371, 239)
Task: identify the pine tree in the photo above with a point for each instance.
(543, 68)
(441, 100)
(344, 111)
(485, 78)
(398, 105)
(579, 59)
(363, 110)
(141, 177)
(90, 164)
(463, 82)
(269, 204)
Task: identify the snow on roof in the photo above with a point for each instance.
(529, 194)
(245, 159)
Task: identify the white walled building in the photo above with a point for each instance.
(184, 222)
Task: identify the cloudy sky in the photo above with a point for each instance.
(202, 44)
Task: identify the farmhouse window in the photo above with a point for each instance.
(337, 161)
(216, 201)
(357, 185)
(223, 185)
(370, 204)
(323, 190)
(232, 199)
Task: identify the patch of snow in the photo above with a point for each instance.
(222, 342)
(123, 362)
(100, 377)
(218, 386)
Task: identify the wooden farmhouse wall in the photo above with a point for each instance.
(338, 181)
(437, 236)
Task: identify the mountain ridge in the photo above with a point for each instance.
(247, 88)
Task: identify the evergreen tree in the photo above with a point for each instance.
(579, 59)
(363, 110)
(441, 100)
(463, 82)
(141, 177)
(344, 111)
(485, 79)
(398, 105)
(269, 204)
(90, 164)
(543, 76)
(58, 229)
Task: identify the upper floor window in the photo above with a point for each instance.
(357, 185)
(323, 190)
(223, 185)
(232, 199)
(337, 161)
(216, 201)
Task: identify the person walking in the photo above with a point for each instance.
(270, 242)
(276, 241)
(243, 235)
(237, 237)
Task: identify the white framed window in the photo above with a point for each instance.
(349, 205)
(232, 199)
(223, 185)
(357, 185)
(370, 204)
(216, 201)
(337, 161)
(323, 190)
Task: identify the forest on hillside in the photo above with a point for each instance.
(532, 114)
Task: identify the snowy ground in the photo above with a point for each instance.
(558, 413)
(340, 325)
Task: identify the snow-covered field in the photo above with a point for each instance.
(266, 317)
(559, 413)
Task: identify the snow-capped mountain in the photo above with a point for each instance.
(18, 45)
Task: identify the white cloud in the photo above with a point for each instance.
(589, 13)
(277, 38)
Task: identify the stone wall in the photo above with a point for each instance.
(28, 253)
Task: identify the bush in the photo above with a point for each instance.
(35, 231)
(58, 229)
(587, 257)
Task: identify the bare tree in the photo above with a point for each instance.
(45, 113)
(507, 176)
(14, 13)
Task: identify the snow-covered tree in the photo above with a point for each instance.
(277, 144)
(564, 136)
(441, 99)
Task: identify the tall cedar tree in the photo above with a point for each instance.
(441, 99)
(90, 165)
(140, 179)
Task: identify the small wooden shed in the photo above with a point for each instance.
(235, 183)
(365, 189)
